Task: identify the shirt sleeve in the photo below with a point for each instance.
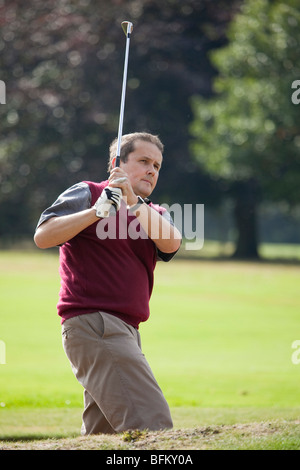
(75, 199)
(161, 256)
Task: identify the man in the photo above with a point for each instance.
(106, 284)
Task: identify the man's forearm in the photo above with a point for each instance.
(59, 230)
(166, 237)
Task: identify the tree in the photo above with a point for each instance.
(62, 63)
(249, 132)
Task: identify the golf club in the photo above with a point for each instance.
(108, 209)
(127, 28)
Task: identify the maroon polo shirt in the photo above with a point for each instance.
(113, 275)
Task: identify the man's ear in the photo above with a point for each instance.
(113, 162)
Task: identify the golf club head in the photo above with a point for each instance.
(127, 27)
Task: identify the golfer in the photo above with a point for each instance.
(106, 284)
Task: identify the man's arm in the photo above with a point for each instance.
(66, 217)
(71, 213)
(165, 236)
(58, 230)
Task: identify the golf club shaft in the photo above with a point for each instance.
(129, 29)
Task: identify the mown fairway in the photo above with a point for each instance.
(219, 341)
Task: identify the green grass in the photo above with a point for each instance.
(226, 330)
(271, 251)
(219, 340)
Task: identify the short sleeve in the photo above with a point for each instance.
(75, 199)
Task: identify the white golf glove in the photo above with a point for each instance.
(109, 202)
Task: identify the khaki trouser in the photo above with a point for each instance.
(120, 391)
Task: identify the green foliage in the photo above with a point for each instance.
(131, 436)
(250, 128)
(62, 63)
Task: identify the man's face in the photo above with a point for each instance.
(142, 167)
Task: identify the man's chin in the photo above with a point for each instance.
(145, 190)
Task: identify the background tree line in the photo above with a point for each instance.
(227, 121)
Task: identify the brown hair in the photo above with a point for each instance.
(127, 145)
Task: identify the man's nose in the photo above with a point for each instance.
(151, 170)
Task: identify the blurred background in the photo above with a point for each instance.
(219, 82)
(212, 78)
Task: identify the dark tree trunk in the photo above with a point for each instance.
(245, 213)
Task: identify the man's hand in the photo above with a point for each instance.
(109, 202)
(120, 179)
